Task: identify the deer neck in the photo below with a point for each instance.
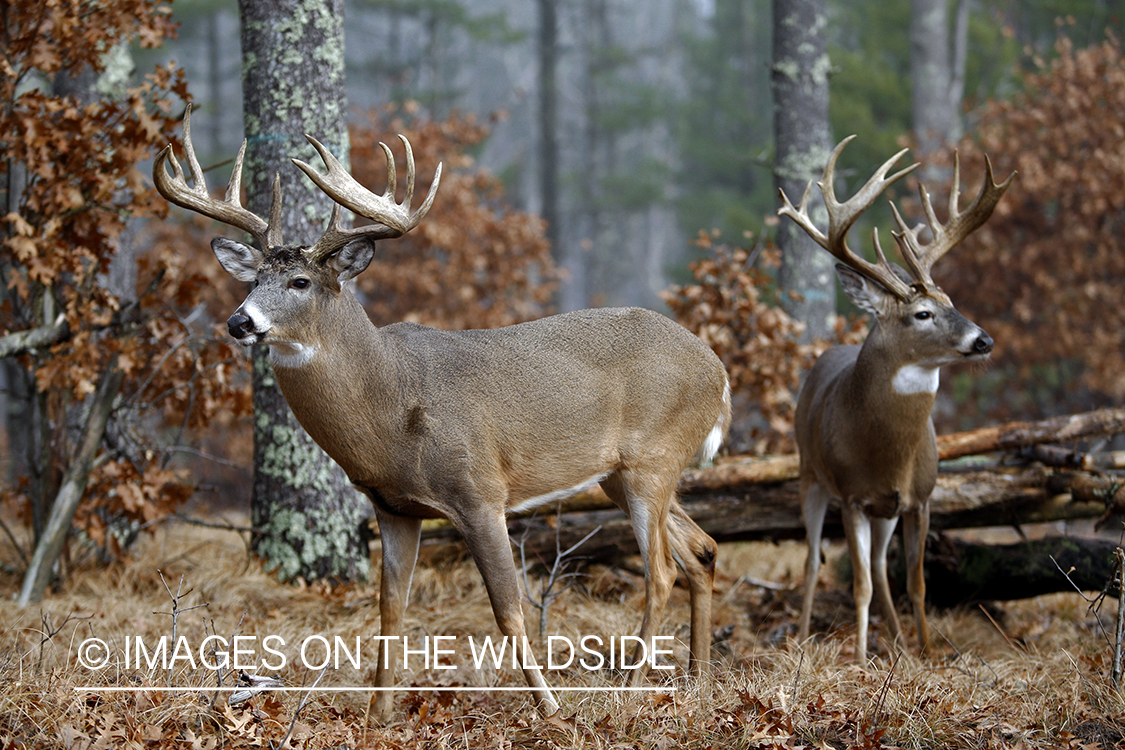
(892, 390)
(338, 381)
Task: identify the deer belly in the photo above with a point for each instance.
(518, 504)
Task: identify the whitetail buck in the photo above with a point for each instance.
(863, 422)
(471, 425)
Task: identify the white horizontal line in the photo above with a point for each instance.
(434, 689)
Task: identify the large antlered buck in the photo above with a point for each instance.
(863, 422)
(472, 425)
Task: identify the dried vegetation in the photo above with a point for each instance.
(1035, 675)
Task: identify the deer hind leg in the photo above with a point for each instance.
(649, 519)
(814, 504)
(486, 535)
(857, 529)
(399, 537)
(882, 530)
(695, 552)
(915, 528)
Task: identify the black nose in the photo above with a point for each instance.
(239, 326)
(983, 344)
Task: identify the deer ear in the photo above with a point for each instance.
(352, 259)
(869, 296)
(240, 261)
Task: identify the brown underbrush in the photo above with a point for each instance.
(1032, 674)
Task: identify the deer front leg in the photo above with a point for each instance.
(882, 530)
(400, 537)
(857, 529)
(814, 505)
(915, 528)
(486, 535)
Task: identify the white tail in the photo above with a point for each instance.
(470, 425)
(863, 419)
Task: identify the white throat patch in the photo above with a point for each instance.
(912, 379)
(291, 355)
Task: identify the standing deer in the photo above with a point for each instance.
(863, 422)
(472, 425)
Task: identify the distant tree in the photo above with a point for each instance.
(936, 79)
(801, 137)
(548, 121)
(725, 124)
(1044, 275)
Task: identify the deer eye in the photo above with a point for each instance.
(300, 283)
(923, 315)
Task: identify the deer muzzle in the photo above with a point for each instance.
(240, 326)
(982, 345)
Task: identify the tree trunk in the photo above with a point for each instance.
(293, 82)
(548, 130)
(800, 86)
(932, 79)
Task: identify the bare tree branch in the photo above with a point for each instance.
(21, 342)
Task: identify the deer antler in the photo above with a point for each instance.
(394, 219)
(919, 257)
(841, 216)
(230, 211)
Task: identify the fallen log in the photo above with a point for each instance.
(960, 572)
(1016, 435)
(744, 498)
(741, 470)
(772, 512)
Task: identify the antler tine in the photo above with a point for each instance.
(921, 257)
(801, 215)
(851, 209)
(392, 173)
(196, 198)
(409, 198)
(393, 219)
(842, 215)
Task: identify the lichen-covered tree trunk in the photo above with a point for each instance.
(307, 513)
(800, 88)
(933, 109)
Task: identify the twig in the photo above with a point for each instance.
(797, 677)
(1094, 603)
(759, 582)
(1119, 563)
(960, 656)
(175, 613)
(48, 632)
(999, 629)
(883, 691)
(226, 525)
(300, 707)
(15, 544)
(557, 573)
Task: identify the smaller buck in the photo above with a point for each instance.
(472, 425)
(863, 422)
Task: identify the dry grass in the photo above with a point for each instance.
(1034, 678)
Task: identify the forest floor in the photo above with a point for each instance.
(1031, 674)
